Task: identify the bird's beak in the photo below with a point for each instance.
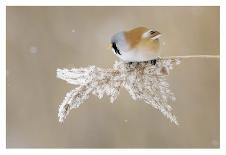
(109, 46)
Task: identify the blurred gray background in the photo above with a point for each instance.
(42, 39)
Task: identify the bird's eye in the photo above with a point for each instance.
(115, 48)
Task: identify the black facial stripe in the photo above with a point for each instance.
(115, 48)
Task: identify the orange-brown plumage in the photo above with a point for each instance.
(134, 38)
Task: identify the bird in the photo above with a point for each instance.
(136, 45)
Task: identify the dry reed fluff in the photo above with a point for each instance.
(142, 80)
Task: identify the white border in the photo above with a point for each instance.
(113, 2)
(3, 75)
(104, 3)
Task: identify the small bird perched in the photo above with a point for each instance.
(136, 45)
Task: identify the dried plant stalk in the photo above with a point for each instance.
(142, 80)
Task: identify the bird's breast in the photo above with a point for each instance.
(149, 45)
(138, 55)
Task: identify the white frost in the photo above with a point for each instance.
(142, 80)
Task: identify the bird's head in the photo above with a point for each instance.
(119, 43)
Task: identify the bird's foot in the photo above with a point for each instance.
(153, 62)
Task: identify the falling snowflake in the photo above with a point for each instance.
(33, 50)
